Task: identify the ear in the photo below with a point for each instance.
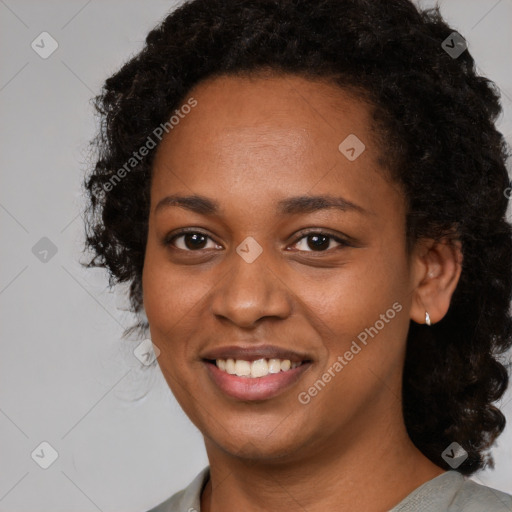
(436, 268)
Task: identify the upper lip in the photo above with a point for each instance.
(252, 353)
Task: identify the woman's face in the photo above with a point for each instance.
(264, 276)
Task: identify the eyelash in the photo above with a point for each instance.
(168, 241)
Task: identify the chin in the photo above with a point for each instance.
(260, 446)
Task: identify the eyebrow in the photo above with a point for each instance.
(290, 206)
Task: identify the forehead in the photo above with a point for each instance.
(283, 106)
(275, 136)
(260, 92)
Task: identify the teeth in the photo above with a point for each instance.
(259, 368)
(254, 369)
(274, 366)
(230, 366)
(242, 368)
(285, 365)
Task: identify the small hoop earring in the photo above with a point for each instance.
(427, 318)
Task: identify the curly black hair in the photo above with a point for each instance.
(436, 121)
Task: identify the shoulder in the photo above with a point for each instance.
(188, 499)
(473, 497)
(449, 492)
(452, 492)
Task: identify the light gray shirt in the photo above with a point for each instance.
(448, 492)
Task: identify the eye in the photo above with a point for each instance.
(318, 241)
(191, 240)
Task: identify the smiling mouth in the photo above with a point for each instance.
(255, 369)
(256, 380)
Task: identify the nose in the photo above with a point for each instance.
(250, 292)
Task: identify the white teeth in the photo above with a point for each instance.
(254, 369)
(259, 368)
(230, 366)
(242, 368)
(274, 366)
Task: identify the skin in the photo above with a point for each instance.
(249, 143)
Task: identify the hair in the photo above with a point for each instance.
(435, 118)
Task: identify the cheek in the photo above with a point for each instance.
(170, 293)
(363, 322)
(173, 301)
(364, 314)
(355, 297)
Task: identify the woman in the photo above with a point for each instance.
(307, 198)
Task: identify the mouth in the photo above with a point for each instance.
(255, 369)
(251, 379)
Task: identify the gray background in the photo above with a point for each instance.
(67, 378)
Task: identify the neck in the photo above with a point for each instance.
(371, 470)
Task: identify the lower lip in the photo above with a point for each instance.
(258, 388)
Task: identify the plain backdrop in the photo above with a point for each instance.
(67, 379)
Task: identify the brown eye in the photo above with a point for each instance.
(190, 241)
(318, 242)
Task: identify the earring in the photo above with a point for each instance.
(427, 318)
